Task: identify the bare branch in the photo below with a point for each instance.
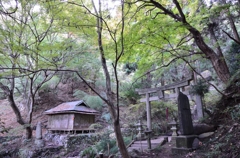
(184, 40)
(4, 11)
(183, 19)
(231, 37)
(186, 61)
(165, 10)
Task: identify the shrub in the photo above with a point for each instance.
(127, 91)
(200, 88)
(3, 129)
(79, 94)
(94, 102)
(106, 117)
(106, 145)
(233, 58)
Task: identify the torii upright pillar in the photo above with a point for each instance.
(148, 109)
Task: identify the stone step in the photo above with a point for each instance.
(140, 148)
(147, 143)
(143, 146)
(153, 146)
(138, 144)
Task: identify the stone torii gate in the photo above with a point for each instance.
(158, 93)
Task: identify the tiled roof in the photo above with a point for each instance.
(72, 107)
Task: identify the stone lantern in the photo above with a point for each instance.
(174, 127)
(139, 127)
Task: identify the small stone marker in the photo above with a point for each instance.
(39, 131)
(39, 141)
(184, 114)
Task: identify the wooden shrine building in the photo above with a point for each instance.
(74, 117)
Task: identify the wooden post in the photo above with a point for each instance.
(148, 109)
(198, 101)
(177, 91)
(167, 114)
(199, 106)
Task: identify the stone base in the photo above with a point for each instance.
(39, 142)
(173, 141)
(185, 141)
(183, 144)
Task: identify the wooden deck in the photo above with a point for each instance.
(73, 131)
(143, 145)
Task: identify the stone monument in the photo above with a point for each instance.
(185, 140)
(184, 115)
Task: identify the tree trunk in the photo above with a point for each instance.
(214, 38)
(117, 130)
(20, 120)
(234, 29)
(15, 108)
(148, 80)
(28, 134)
(120, 141)
(110, 98)
(162, 80)
(218, 60)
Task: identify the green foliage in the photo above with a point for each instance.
(107, 117)
(234, 112)
(90, 152)
(233, 58)
(2, 94)
(3, 129)
(96, 126)
(159, 108)
(234, 84)
(105, 145)
(15, 131)
(94, 102)
(101, 83)
(159, 117)
(211, 98)
(214, 151)
(53, 82)
(200, 88)
(128, 68)
(79, 94)
(50, 85)
(127, 90)
(136, 111)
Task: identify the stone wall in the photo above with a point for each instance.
(70, 142)
(59, 145)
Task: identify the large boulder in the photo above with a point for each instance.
(203, 128)
(206, 75)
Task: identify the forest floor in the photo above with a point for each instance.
(224, 143)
